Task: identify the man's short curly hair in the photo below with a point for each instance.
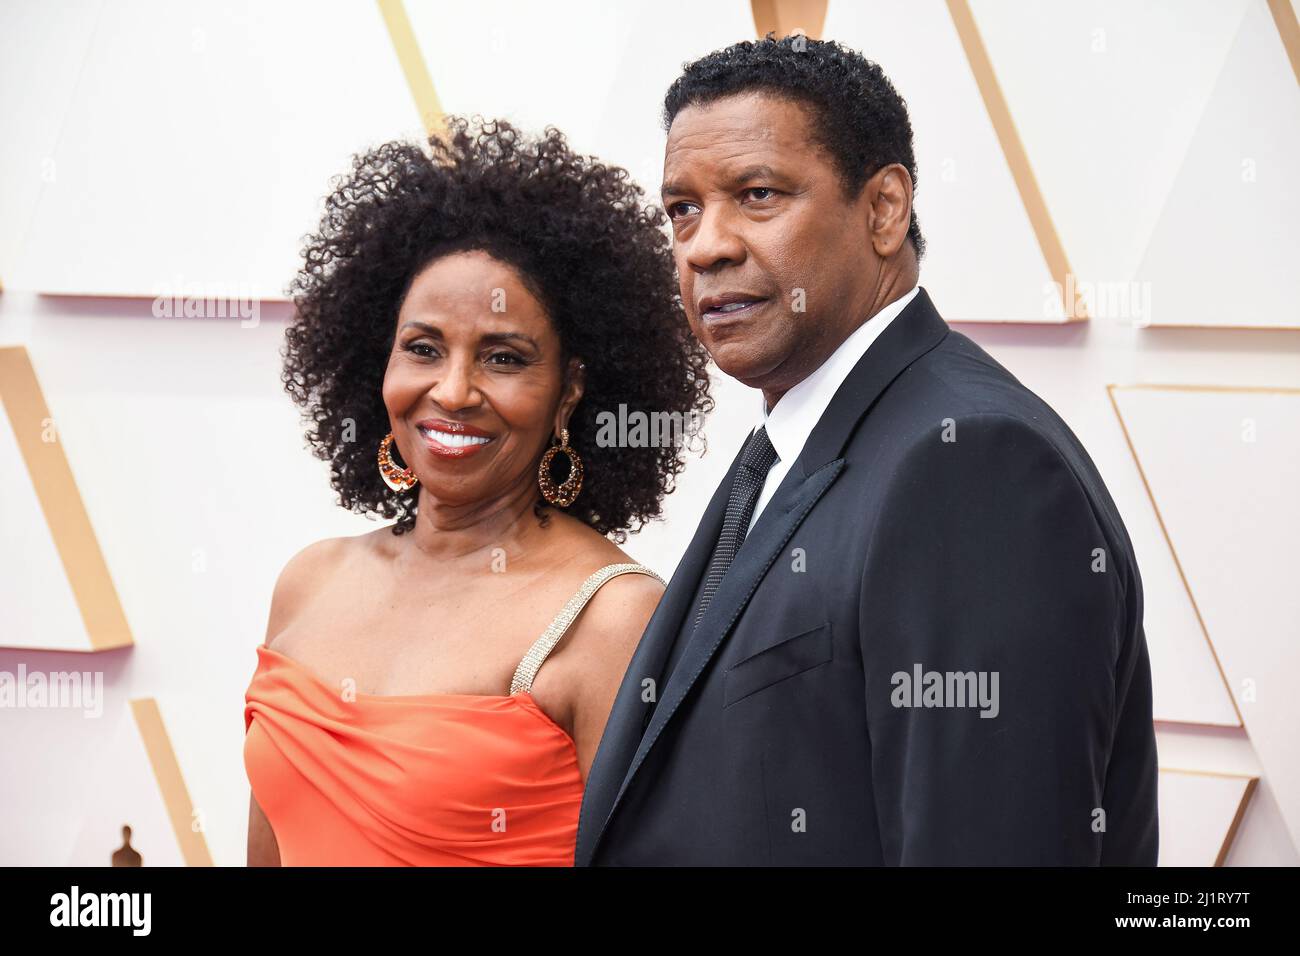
(576, 232)
(857, 115)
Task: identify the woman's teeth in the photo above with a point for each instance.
(453, 439)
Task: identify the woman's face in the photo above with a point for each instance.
(474, 386)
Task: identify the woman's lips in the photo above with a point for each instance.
(448, 444)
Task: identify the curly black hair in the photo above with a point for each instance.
(576, 232)
(857, 115)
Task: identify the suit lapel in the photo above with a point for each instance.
(774, 528)
(916, 330)
(625, 728)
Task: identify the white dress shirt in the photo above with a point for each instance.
(799, 410)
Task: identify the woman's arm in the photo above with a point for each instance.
(611, 626)
(262, 848)
(291, 588)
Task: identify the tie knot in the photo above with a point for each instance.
(759, 455)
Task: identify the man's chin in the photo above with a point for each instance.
(743, 364)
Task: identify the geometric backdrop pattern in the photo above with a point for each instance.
(1083, 168)
(54, 584)
(1222, 467)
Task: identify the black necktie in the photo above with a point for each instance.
(756, 460)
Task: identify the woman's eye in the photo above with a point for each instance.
(504, 358)
(422, 349)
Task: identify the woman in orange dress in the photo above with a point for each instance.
(476, 326)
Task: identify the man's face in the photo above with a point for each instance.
(776, 265)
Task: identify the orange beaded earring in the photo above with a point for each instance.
(398, 479)
(566, 492)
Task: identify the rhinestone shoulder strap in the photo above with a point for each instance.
(532, 662)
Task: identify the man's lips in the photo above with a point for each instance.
(452, 439)
(732, 308)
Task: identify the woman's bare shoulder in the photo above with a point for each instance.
(622, 602)
(312, 569)
(619, 610)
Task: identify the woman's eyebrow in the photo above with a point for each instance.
(492, 337)
(512, 337)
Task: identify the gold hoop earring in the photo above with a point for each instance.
(566, 492)
(398, 479)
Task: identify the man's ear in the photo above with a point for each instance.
(575, 380)
(889, 196)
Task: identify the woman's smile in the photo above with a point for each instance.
(452, 439)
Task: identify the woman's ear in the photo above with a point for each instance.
(575, 379)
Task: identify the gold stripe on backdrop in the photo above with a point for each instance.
(65, 514)
(1289, 30)
(784, 17)
(1014, 151)
(167, 772)
(413, 65)
(1155, 507)
(1251, 783)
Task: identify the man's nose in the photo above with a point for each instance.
(715, 240)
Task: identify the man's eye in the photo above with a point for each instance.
(679, 209)
(761, 189)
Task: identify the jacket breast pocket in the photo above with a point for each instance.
(789, 657)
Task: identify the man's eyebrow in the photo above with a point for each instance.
(759, 171)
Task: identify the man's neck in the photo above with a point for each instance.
(891, 291)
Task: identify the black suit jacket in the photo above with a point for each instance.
(941, 518)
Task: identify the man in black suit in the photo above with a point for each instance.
(909, 627)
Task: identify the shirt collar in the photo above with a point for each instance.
(798, 410)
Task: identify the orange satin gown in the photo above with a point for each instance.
(416, 780)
